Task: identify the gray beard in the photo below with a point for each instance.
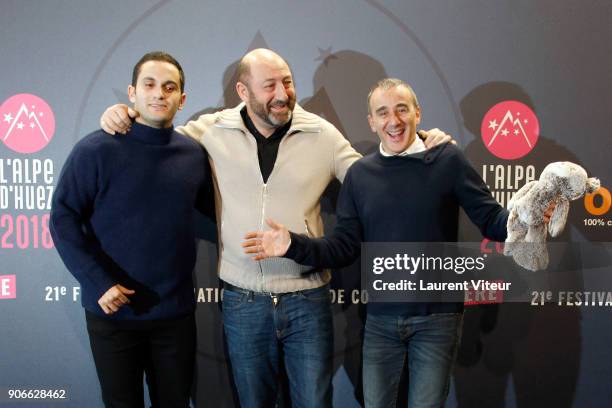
(272, 121)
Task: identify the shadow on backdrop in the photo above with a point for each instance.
(340, 93)
(537, 349)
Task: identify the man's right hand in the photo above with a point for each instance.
(112, 300)
(117, 119)
(266, 244)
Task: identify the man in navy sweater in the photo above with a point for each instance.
(402, 193)
(122, 223)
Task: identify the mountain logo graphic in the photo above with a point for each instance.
(510, 130)
(27, 123)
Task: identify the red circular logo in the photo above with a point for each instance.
(510, 130)
(27, 123)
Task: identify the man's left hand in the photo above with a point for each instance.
(434, 137)
(266, 244)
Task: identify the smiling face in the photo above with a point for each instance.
(157, 94)
(394, 116)
(267, 90)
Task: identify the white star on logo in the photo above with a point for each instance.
(525, 121)
(8, 117)
(493, 124)
(505, 132)
(32, 125)
(518, 113)
(41, 114)
(20, 126)
(516, 132)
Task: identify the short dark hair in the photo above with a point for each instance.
(158, 56)
(387, 83)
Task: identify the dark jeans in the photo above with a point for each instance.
(123, 352)
(298, 329)
(428, 343)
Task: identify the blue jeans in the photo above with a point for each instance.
(428, 343)
(297, 329)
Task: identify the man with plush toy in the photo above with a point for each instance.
(402, 193)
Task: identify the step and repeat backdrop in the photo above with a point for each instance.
(517, 84)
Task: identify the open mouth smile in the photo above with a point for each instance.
(395, 135)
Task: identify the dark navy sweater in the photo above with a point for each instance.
(122, 213)
(412, 198)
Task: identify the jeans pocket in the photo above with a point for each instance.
(449, 322)
(233, 300)
(445, 318)
(321, 294)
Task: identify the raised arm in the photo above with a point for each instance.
(117, 119)
(344, 154)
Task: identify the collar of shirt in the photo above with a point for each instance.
(416, 146)
(278, 133)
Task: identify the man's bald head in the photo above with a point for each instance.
(257, 56)
(265, 85)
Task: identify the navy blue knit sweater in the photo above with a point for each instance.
(413, 198)
(123, 214)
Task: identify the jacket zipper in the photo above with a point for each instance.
(264, 193)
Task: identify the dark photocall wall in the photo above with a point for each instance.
(518, 84)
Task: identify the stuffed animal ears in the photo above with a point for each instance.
(559, 217)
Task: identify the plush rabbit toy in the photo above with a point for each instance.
(559, 182)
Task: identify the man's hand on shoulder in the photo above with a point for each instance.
(114, 298)
(117, 119)
(434, 137)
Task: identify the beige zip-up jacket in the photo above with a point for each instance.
(312, 153)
